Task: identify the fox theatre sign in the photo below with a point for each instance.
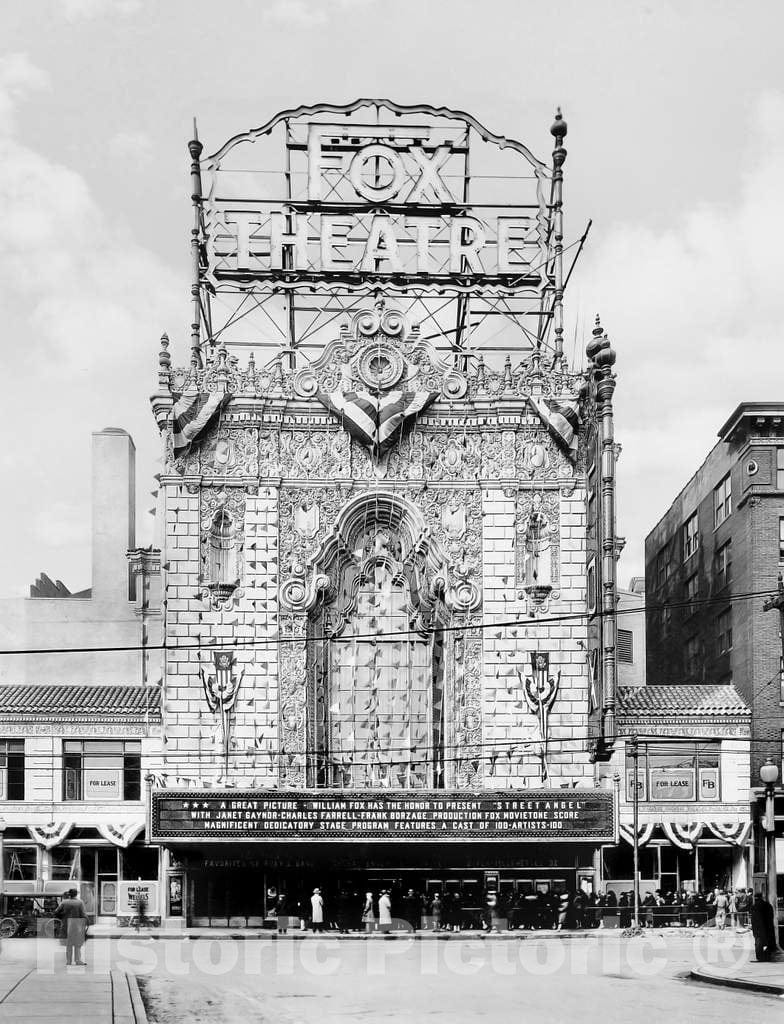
(373, 193)
(532, 816)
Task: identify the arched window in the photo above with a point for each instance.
(379, 692)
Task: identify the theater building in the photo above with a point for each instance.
(387, 526)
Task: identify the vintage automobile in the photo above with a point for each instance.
(28, 914)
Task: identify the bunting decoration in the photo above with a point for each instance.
(375, 419)
(50, 835)
(644, 833)
(540, 689)
(192, 414)
(562, 420)
(682, 836)
(221, 692)
(120, 835)
(734, 833)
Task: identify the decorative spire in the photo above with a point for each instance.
(599, 350)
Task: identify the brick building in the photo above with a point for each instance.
(719, 544)
(716, 549)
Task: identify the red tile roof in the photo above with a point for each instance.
(680, 700)
(129, 701)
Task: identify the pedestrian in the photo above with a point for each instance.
(436, 912)
(743, 905)
(341, 917)
(732, 908)
(563, 910)
(721, 903)
(624, 911)
(73, 917)
(368, 913)
(384, 912)
(317, 911)
(281, 910)
(762, 928)
(411, 905)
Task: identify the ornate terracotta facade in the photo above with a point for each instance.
(471, 505)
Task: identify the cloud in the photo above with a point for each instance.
(308, 13)
(78, 10)
(134, 147)
(695, 313)
(84, 305)
(18, 77)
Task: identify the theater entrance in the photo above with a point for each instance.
(243, 887)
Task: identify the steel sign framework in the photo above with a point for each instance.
(298, 221)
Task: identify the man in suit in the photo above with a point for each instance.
(73, 927)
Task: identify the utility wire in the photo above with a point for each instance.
(393, 635)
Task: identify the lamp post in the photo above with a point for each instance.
(769, 773)
(636, 827)
(2, 855)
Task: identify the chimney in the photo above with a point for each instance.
(114, 512)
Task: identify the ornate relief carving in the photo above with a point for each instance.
(538, 547)
(231, 500)
(230, 452)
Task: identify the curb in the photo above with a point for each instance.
(127, 1005)
(740, 983)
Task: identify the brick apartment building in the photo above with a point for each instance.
(721, 542)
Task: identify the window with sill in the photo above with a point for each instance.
(722, 566)
(691, 536)
(676, 772)
(722, 501)
(724, 631)
(12, 770)
(102, 770)
(780, 469)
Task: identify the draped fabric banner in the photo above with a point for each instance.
(375, 420)
(683, 836)
(644, 833)
(120, 835)
(734, 833)
(50, 835)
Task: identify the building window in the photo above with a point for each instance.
(676, 772)
(20, 863)
(691, 590)
(693, 657)
(691, 537)
(102, 770)
(780, 469)
(724, 631)
(722, 501)
(591, 588)
(722, 566)
(781, 538)
(662, 567)
(12, 770)
(626, 646)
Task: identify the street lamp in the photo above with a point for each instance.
(769, 773)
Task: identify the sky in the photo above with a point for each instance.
(675, 151)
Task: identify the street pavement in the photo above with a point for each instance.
(587, 978)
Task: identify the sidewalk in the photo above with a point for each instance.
(28, 996)
(751, 977)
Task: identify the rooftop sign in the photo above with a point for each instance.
(335, 200)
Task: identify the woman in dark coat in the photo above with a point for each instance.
(625, 911)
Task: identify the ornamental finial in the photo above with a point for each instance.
(559, 127)
(164, 359)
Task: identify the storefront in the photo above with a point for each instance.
(687, 750)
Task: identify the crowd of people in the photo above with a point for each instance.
(446, 911)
